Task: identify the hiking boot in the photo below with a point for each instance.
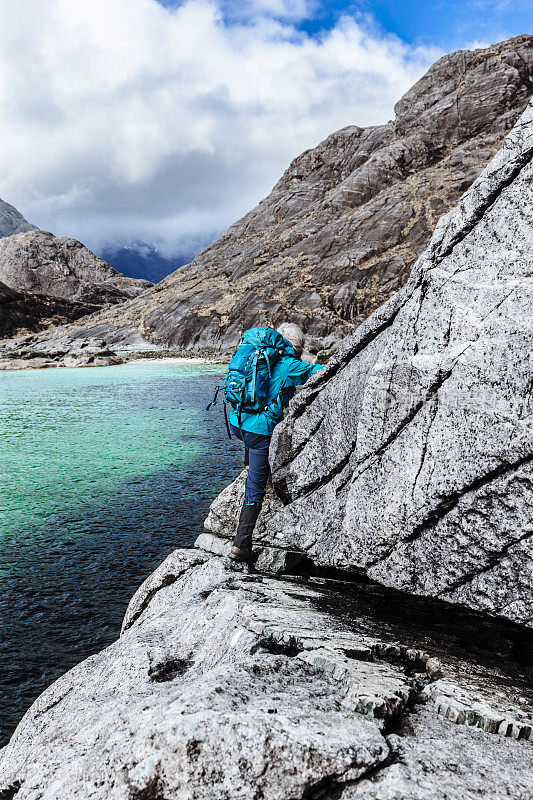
(238, 555)
(242, 544)
(240, 563)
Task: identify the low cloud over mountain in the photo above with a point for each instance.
(162, 123)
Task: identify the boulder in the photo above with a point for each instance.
(409, 456)
(431, 764)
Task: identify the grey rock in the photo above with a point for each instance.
(277, 561)
(213, 544)
(186, 705)
(266, 559)
(341, 229)
(177, 564)
(373, 690)
(409, 456)
(233, 686)
(39, 262)
(434, 760)
(467, 704)
(375, 684)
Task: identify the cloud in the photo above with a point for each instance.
(128, 120)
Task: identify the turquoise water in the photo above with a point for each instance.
(104, 471)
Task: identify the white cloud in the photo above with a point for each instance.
(125, 120)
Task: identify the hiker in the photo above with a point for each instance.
(255, 429)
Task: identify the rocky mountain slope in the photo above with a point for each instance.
(38, 261)
(47, 281)
(409, 456)
(12, 221)
(26, 311)
(338, 234)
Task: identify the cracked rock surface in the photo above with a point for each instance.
(429, 764)
(229, 685)
(342, 228)
(409, 457)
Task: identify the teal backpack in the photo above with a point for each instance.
(246, 384)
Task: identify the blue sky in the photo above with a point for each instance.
(445, 24)
(448, 24)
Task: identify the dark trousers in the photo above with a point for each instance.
(257, 448)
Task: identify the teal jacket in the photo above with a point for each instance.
(287, 372)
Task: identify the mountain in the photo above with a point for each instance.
(62, 267)
(141, 260)
(22, 312)
(339, 232)
(46, 281)
(12, 221)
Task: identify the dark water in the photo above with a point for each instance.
(103, 473)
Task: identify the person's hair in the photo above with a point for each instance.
(294, 334)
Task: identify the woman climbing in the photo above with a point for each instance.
(270, 361)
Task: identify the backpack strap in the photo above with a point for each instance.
(239, 418)
(268, 365)
(254, 375)
(226, 420)
(214, 400)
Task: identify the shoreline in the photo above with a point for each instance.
(177, 360)
(115, 360)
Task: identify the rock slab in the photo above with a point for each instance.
(226, 685)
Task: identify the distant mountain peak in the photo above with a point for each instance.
(12, 221)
